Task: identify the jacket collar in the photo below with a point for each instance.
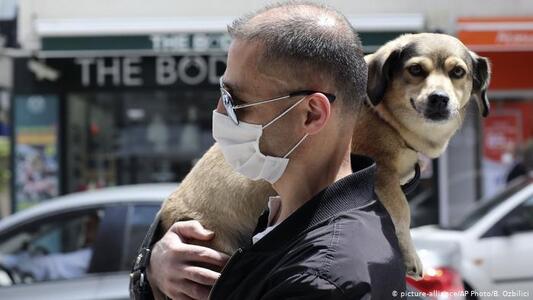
(351, 192)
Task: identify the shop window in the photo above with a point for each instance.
(141, 137)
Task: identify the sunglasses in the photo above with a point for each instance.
(230, 106)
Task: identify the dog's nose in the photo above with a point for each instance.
(438, 100)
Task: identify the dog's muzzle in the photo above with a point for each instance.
(437, 106)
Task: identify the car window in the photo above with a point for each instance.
(51, 249)
(524, 213)
(487, 205)
(521, 216)
(139, 219)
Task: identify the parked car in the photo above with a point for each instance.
(493, 246)
(57, 226)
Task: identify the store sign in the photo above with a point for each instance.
(190, 42)
(36, 149)
(164, 71)
(143, 72)
(176, 43)
(497, 34)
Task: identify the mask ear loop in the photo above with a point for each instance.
(295, 146)
(284, 113)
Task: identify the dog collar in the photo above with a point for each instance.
(411, 185)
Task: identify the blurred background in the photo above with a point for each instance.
(101, 94)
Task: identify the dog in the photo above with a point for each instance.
(419, 86)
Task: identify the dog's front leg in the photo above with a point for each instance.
(391, 195)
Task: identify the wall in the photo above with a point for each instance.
(439, 14)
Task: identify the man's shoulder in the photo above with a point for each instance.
(349, 250)
(351, 236)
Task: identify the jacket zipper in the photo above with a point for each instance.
(230, 262)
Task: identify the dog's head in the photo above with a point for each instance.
(428, 77)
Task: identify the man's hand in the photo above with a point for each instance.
(173, 267)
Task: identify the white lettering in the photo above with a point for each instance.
(191, 62)
(186, 42)
(165, 70)
(200, 42)
(130, 71)
(162, 42)
(85, 64)
(102, 71)
(156, 41)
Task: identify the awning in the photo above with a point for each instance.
(150, 36)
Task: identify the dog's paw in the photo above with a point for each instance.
(413, 267)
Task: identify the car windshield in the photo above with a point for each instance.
(487, 205)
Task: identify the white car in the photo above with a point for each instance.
(492, 248)
(56, 229)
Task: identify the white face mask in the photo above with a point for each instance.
(240, 146)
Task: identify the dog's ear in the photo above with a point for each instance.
(481, 79)
(380, 67)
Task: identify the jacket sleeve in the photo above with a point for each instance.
(139, 286)
(310, 286)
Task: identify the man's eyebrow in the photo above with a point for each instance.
(234, 89)
(230, 86)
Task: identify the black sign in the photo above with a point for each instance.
(81, 73)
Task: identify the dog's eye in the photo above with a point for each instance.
(416, 70)
(457, 72)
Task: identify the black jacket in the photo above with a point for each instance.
(339, 245)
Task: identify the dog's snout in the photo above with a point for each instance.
(437, 106)
(438, 100)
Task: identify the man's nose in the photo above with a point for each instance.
(220, 107)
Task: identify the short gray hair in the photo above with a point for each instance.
(299, 42)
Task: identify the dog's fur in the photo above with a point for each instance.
(399, 123)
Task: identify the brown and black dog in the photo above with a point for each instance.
(419, 86)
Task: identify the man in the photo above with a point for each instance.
(55, 266)
(295, 78)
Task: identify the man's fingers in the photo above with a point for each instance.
(192, 230)
(200, 275)
(194, 290)
(195, 253)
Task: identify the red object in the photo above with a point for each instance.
(438, 280)
(508, 125)
(510, 70)
(95, 129)
(507, 42)
(501, 134)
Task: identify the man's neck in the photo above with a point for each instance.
(303, 181)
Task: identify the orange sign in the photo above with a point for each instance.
(496, 34)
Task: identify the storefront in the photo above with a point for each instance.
(104, 104)
(508, 131)
(95, 122)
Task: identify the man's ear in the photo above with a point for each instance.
(380, 68)
(481, 80)
(318, 113)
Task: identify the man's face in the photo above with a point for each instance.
(247, 82)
